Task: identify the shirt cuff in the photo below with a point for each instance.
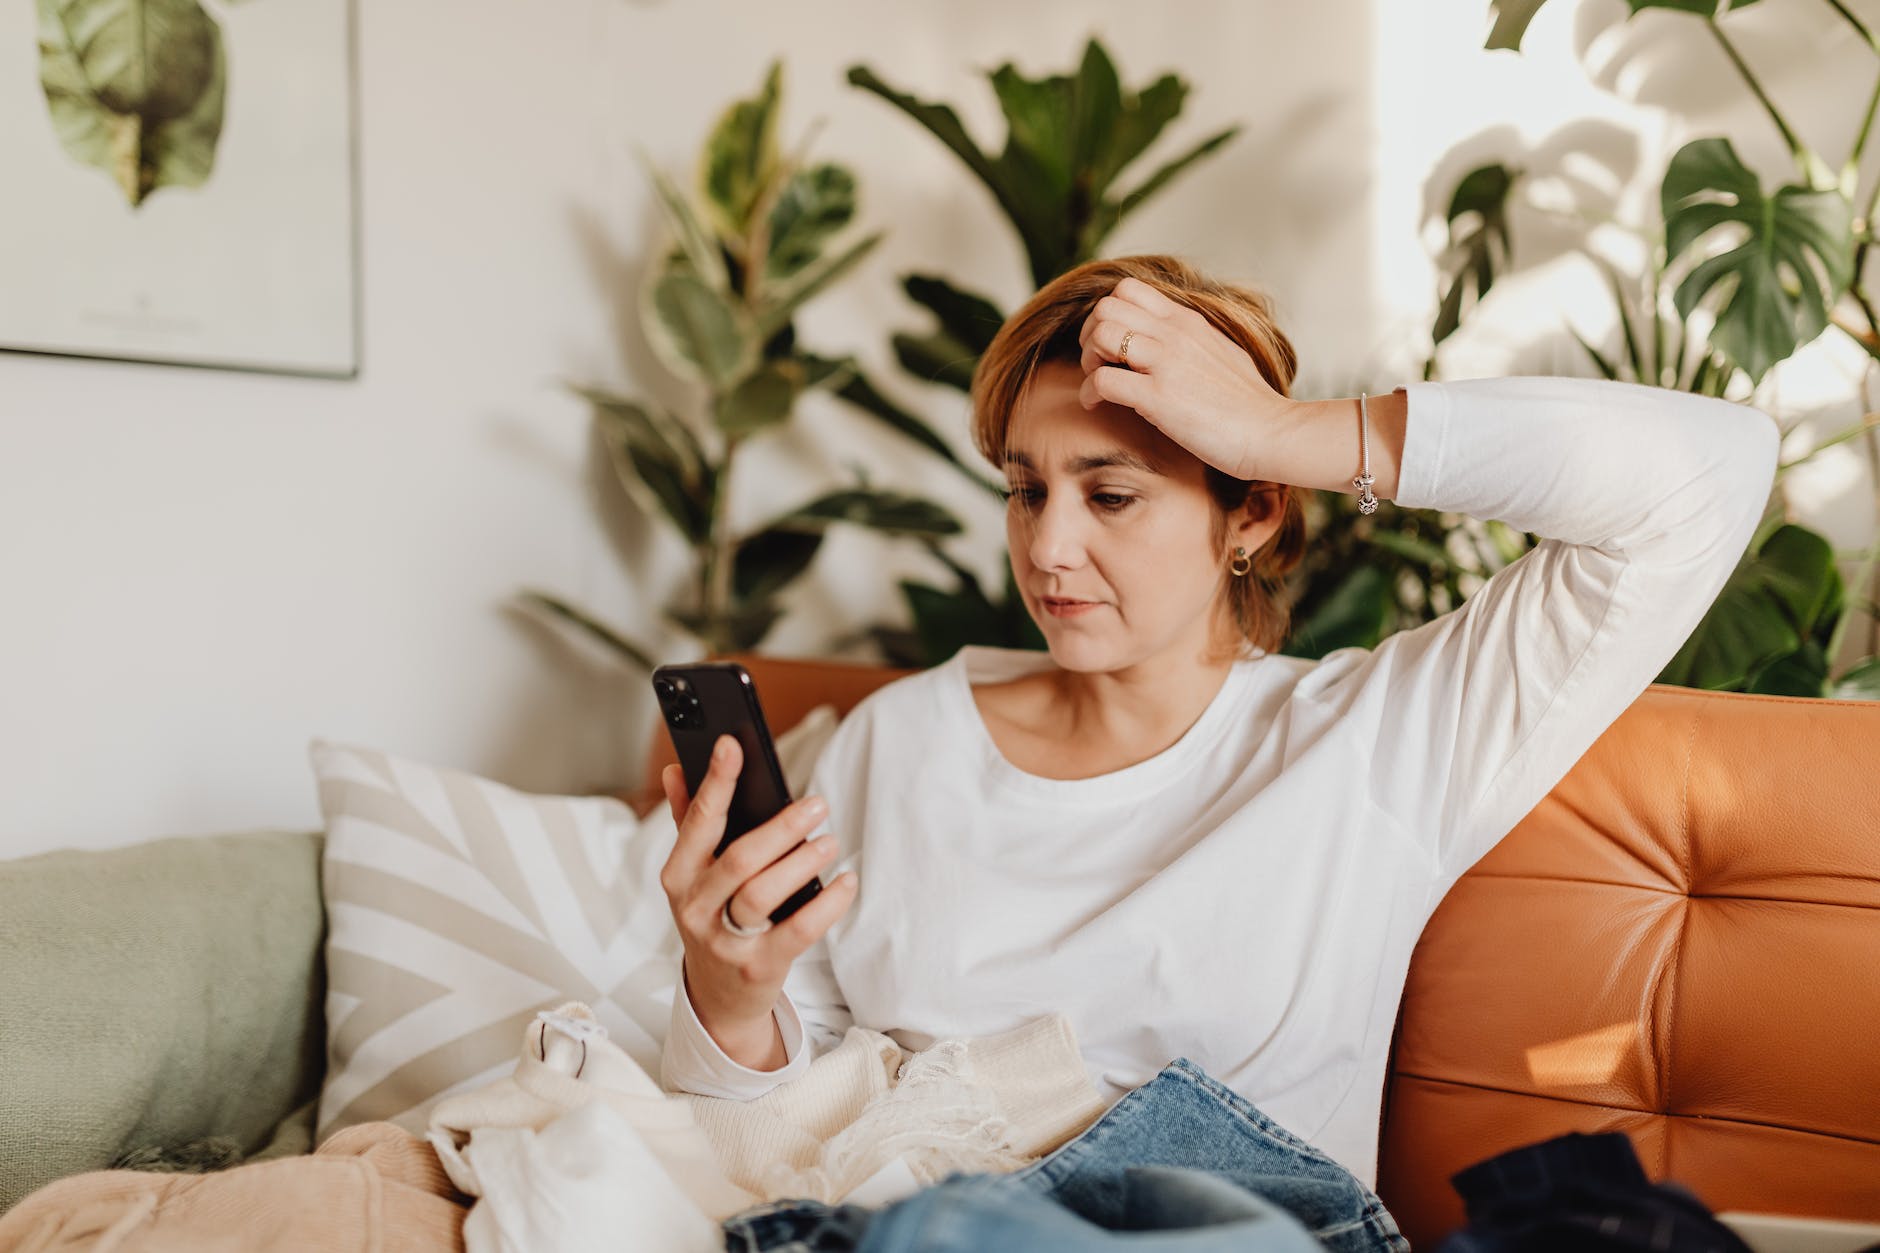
(1426, 434)
(693, 1062)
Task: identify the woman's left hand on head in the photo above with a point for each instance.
(1192, 382)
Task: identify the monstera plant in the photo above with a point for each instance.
(135, 88)
(1741, 276)
(1069, 140)
(755, 241)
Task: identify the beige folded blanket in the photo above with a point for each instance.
(373, 1188)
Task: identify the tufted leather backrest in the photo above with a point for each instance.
(1681, 942)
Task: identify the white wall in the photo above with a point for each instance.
(201, 570)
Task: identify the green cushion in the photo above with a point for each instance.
(155, 997)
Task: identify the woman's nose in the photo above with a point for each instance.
(1055, 541)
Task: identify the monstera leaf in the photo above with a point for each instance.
(1776, 286)
(1356, 615)
(135, 88)
(1479, 240)
(1769, 608)
(1512, 16)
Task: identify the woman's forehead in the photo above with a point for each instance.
(1050, 428)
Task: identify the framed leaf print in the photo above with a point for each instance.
(180, 182)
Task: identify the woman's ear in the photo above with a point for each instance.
(1258, 517)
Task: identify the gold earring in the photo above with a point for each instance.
(1241, 563)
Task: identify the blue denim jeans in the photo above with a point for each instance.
(1181, 1163)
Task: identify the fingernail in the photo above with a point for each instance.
(824, 845)
(814, 807)
(721, 751)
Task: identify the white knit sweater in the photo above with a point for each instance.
(1249, 898)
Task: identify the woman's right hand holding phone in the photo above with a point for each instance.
(733, 981)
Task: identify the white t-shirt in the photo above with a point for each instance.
(1249, 898)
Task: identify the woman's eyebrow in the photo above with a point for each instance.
(1121, 458)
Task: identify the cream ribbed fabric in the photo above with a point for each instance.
(991, 1104)
(567, 1061)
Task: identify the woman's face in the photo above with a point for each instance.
(1112, 532)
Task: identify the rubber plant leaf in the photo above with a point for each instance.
(696, 329)
(813, 205)
(699, 246)
(741, 157)
(760, 399)
(1774, 287)
(777, 312)
(656, 465)
(135, 88)
(770, 560)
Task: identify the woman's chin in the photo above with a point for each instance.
(1078, 651)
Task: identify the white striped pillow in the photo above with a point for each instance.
(457, 907)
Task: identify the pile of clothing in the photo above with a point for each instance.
(966, 1147)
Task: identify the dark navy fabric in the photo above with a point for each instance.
(1580, 1192)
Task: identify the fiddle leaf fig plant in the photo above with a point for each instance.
(754, 242)
(1069, 140)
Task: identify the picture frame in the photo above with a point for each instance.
(182, 191)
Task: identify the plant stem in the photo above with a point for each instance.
(1856, 23)
(1870, 422)
(715, 579)
(1742, 67)
(1860, 140)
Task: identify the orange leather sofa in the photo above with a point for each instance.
(1681, 942)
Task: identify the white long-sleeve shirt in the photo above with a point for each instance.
(1249, 897)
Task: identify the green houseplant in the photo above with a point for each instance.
(755, 241)
(1069, 139)
(1740, 278)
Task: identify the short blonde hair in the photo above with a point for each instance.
(1046, 330)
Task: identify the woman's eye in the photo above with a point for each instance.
(1113, 502)
(1024, 495)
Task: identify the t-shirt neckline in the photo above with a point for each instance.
(981, 664)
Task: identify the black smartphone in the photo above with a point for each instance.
(703, 701)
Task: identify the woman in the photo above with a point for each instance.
(1189, 844)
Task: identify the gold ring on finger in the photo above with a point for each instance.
(1122, 353)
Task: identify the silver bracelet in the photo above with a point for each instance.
(1367, 503)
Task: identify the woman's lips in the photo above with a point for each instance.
(1062, 607)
